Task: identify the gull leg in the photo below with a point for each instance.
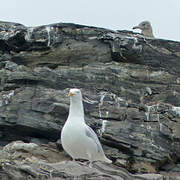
(81, 163)
(90, 160)
(90, 164)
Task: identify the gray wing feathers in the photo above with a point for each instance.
(90, 133)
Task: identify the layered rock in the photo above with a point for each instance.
(130, 87)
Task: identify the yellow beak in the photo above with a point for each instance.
(70, 94)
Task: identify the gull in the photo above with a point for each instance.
(77, 138)
(146, 29)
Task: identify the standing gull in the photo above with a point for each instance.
(146, 29)
(77, 138)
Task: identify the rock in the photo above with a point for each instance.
(28, 160)
(19, 146)
(130, 87)
(152, 176)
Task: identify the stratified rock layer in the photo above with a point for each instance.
(130, 86)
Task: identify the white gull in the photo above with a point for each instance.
(77, 138)
(146, 29)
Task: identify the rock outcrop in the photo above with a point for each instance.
(131, 92)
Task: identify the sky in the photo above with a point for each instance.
(164, 15)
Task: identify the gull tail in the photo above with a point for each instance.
(105, 159)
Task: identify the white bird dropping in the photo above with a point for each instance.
(77, 138)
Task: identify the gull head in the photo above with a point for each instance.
(146, 29)
(145, 25)
(75, 94)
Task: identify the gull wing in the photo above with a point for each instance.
(91, 134)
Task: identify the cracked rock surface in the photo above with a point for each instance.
(131, 96)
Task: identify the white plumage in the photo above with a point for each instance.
(77, 138)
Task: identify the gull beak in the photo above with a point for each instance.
(136, 27)
(70, 94)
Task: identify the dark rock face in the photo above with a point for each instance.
(130, 86)
(32, 161)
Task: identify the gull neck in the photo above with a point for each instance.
(76, 108)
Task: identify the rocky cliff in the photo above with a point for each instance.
(131, 96)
